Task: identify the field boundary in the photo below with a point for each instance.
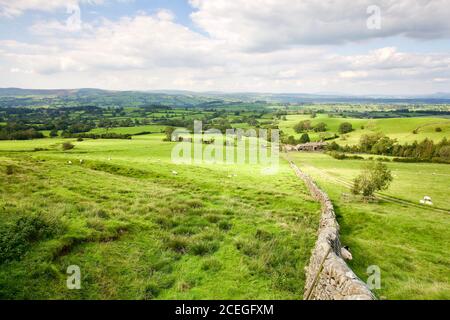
(382, 196)
(328, 277)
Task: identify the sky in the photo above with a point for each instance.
(361, 47)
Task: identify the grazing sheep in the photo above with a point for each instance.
(427, 198)
(429, 203)
(422, 201)
(174, 172)
(109, 158)
(69, 162)
(345, 253)
(81, 161)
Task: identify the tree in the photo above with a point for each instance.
(53, 133)
(375, 177)
(320, 127)
(169, 131)
(367, 141)
(345, 127)
(302, 126)
(304, 138)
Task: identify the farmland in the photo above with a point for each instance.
(140, 226)
(138, 231)
(395, 128)
(407, 241)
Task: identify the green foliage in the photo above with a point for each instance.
(67, 146)
(320, 127)
(16, 239)
(345, 127)
(375, 177)
(304, 138)
(303, 126)
(53, 133)
(168, 131)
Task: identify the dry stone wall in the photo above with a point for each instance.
(328, 277)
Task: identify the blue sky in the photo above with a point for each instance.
(239, 45)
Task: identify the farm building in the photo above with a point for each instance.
(310, 146)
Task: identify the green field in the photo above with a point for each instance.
(396, 128)
(410, 243)
(139, 231)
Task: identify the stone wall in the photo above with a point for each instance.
(330, 275)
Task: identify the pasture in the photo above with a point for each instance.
(410, 243)
(141, 227)
(396, 128)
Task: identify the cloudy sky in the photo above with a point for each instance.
(303, 46)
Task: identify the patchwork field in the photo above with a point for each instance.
(396, 128)
(410, 243)
(141, 227)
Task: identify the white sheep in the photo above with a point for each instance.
(81, 161)
(69, 162)
(346, 254)
(174, 172)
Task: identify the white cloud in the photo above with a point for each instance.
(265, 25)
(257, 46)
(14, 8)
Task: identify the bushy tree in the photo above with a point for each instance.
(302, 126)
(53, 133)
(304, 138)
(168, 132)
(320, 127)
(376, 176)
(345, 127)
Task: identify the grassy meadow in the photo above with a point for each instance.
(410, 243)
(395, 128)
(137, 230)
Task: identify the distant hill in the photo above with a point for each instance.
(190, 98)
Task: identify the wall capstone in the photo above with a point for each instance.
(331, 276)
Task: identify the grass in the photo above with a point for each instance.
(409, 243)
(138, 231)
(397, 128)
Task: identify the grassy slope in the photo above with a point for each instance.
(410, 245)
(139, 232)
(398, 128)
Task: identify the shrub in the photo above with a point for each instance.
(438, 129)
(320, 127)
(15, 240)
(80, 139)
(345, 127)
(53, 133)
(304, 138)
(67, 146)
(302, 126)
